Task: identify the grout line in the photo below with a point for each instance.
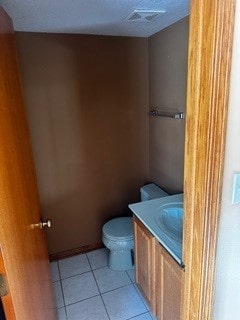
(125, 285)
(99, 267)
(70, 304)
(53, 281)
(90, 262)
(100, 294)
(93, 274)
(98, 289)
(140, 314)
(58, 270)
(105, 307)
(91, 269)
(65, 312)
(129, 276)
(75, 275)
(61, 278)
(64, 302)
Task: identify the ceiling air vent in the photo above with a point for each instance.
(144, 15)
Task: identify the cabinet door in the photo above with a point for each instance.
(168, 286)
(145, 262)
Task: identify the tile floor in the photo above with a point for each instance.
(86, 289)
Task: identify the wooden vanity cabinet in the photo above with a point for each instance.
(168, 285)
(145, 262)
(158, 275)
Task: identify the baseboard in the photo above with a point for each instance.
(73, 252)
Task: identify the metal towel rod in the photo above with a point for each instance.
(161, 113)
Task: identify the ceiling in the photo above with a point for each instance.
(102, 17)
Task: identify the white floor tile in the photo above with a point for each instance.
(98, 258)
(58, 294)
(61, 314)
(72, 266)
(90, 309)
(108, 279)
(131, 274)
(123, 303)
(79, 287)
(54, 271)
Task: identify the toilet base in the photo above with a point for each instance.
(120, 260)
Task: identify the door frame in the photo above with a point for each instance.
(209, 64)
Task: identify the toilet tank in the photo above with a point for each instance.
(152, 191)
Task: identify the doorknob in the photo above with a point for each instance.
(42, 224)
(47, 223)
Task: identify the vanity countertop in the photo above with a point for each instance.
(150, 213)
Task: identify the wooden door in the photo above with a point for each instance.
(144, 262)
(23, 247)
(168, 285)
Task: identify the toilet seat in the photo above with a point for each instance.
(119, 229)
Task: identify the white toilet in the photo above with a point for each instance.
(117, 234)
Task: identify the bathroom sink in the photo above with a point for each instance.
(163, 217)
(169, 219)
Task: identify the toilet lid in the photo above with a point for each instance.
(119, 228)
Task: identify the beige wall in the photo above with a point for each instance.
(167, 90)
(87, 105)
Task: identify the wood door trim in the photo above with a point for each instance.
(210, 48)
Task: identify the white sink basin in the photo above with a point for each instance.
(169, 218)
